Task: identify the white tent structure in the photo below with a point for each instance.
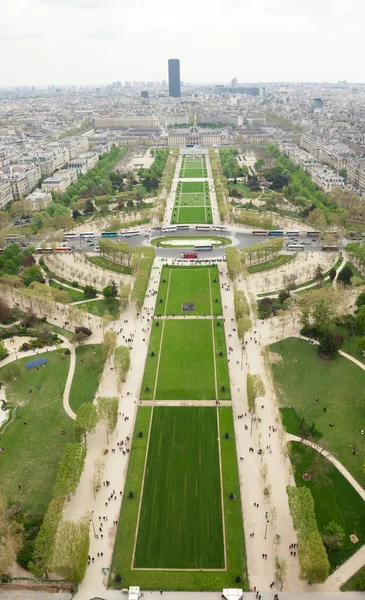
(232, 594)
(133, 593)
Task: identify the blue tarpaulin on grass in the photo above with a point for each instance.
(37, 362)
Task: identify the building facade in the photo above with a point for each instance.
(174, 77)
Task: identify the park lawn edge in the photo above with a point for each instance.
(235, 543)
(273, 263)
(108, 265)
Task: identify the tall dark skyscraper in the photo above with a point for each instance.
(174, 77)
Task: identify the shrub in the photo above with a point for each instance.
(313, 559)
(75, 284)
(328, 345)
(84, 330)
(67, 352)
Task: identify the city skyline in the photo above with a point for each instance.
(278, 40)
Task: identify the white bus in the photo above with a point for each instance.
(130, 233)
(219, 227)
(292, 233)
(170, 228)
(87, 234)
(203, 247)
(203, 227)
(179, 227)
(70, 236)
(295, 246)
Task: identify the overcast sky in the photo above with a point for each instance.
(99, 41)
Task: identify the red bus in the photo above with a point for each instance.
(189, 255)
(260, 232)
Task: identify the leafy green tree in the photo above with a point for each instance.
(318, 274)
(109, 344)
(108, 292)
(86, 420)
(31, 274)
(332, 274)
(90, 292)
(360, 321)
(328, 345)
(361, 344)
(108, 414)
(45, 540)
(361, 300)
(10, 539)
(3, 351)
(255, 388)
(333, 536)
(122, 362)
(345, 275)
(71, 549)
(70, 469)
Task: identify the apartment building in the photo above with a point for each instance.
(356, 173)
(60, 181)
(6, 193)
(327, 180)
(84, 162)
(126, 121)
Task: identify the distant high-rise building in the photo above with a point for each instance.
(174, 77)
(144, 94)
(234, 82)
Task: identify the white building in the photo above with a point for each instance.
(60, 181)
(6, 194)
(39, 199)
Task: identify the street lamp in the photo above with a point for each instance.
(267, 522)
(59, 385)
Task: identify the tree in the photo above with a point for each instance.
(360, 300)
(121, 362)
(361, 345)
(71, 549)
(332, 274)
(244, 324)
(328, 345)
(124, 293)
(108, 292)
(255, 388)
(281, 569)
(86, 420)
(318, 274)
(345, 275)
(317, 219)
(45, 540)
(360, 321)
(90, 291)
(98, 473)
(70, 469)
(333, 536)
(10, 539)
(3, 351)
(5, 312)
(108, 414)
(31, 274)
(109, 344)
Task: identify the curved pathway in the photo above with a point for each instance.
(295, 438)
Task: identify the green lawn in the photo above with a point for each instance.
(167, 241)
(339, 388)
(33, 444)
(101, 308)
(273, 263)
(87, 375)
(193, 167)
(192, 200)
(182, 580)
(109, 265)
(356, 583)
(60, 331)
(189, 187)
(74, 293)
(335, 500)
(190, 507)
(192, 215)
(186, 368)
(244, 189)
(198, 285)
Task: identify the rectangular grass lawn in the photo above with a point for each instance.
(127, 526)
(186, 368)
(302, 377)
(87, 374)
(180, 524)
(186, 200)
(198, 285)
(186, 365)
(192, 187)
(193, 215)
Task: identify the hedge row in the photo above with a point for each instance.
(313, 559)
